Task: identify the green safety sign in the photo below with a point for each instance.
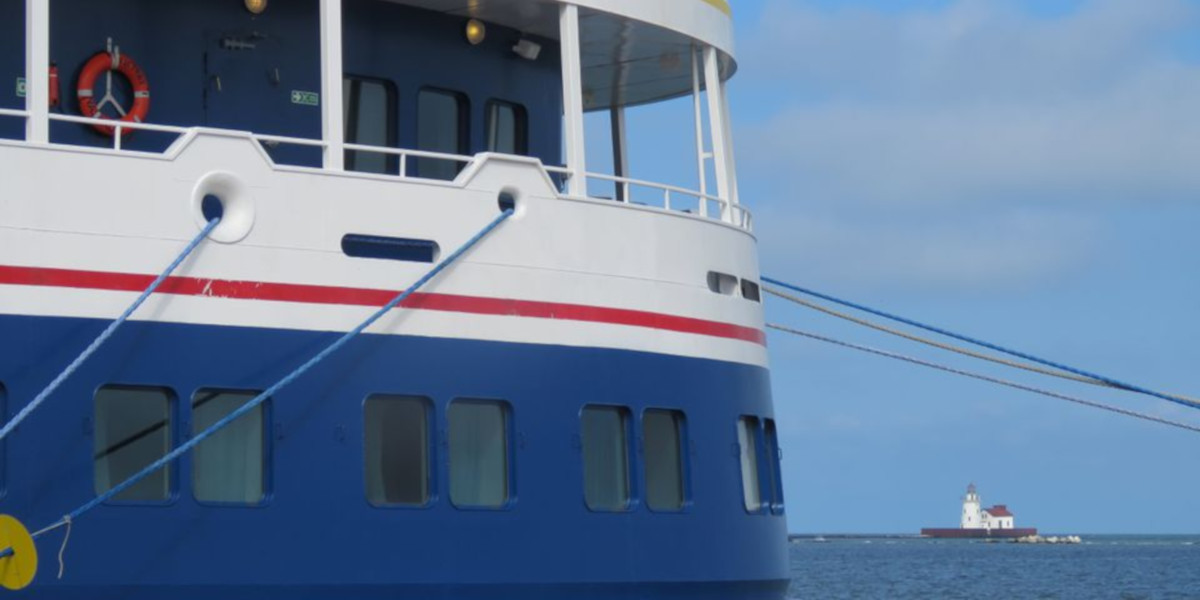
(306, 98)
(20, 87)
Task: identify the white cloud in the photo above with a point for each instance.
(963, 146)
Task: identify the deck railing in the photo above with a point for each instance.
(673, 198)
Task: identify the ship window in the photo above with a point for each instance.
(479, 452)
(748, 450)
(133, 429)
(396, 432)
(605, 436)
(390, 248)
(750, 291)
(662, 431)
(441, 127)
(230, 465)
(507, 128)
(369, 119)
(722, 283)
(773, 458)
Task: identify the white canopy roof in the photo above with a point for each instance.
(633, 51)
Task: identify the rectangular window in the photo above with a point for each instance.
(662, 432)
(773, 457)
(507, 128)
(441, 127)
(479, 450)
(396, 433)
(230, 465)
(134, 427)
(748, 449)
(605, 435)
(370, 119)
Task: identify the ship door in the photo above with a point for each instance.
(255, 82)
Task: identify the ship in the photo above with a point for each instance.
(977, 522)
(318, 299)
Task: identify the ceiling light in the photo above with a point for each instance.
(476, 31)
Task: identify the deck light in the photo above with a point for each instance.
(256, 6)
(476, 31)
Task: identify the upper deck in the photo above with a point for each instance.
(391, 88)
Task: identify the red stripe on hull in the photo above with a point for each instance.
(317, 294)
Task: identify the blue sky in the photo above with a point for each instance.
(1023, 171)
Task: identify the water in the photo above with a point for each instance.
(1124, 567)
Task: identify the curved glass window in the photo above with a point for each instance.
(662, 433)
(397, 450)
(479, 450)
(133, 429)
(230, 465)
(748, 450)
(604, 432)
(507, 128)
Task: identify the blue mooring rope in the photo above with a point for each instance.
(312, 362)
(970, 340)
(108, 331)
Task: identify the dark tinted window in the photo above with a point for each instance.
(133, 429)
(479, 448)
(231, 464)
(441, 127)
(773, 458)
(663, 438)
(396, 432)
(507, 129)
(370, 109)
(605, 435)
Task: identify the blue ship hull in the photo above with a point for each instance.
(316, 536)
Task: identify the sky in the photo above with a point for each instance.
(1021, 171)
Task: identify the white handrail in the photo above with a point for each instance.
(738, 215)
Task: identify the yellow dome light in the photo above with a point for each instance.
(476, 31)
(256, 6)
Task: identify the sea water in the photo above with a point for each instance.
(1127, 567)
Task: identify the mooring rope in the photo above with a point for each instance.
(1182, 400)
(108, 331)
(271, 391)
(987, 378)
(930, 342)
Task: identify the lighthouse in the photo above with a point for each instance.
(979, 522)
(972, 517)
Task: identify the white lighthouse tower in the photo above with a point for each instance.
(972, 517)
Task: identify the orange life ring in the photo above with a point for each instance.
(102, 63)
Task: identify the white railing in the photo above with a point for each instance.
(404, 154)
(706, 205)
(119, 126)
(703, 203)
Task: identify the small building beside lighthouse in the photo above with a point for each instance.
(977, 521)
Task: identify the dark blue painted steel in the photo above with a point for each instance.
(318, 537)
(214, 64)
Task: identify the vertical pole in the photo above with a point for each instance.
(716, 115)
(699, 114)
(620, 154)
(37, 70)
(573, 99)
(731, 168)
(332, 125)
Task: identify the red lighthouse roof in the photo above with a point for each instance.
(999, 510)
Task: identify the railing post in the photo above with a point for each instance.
(701, 171)
(716, 116)
(620, 155)
(573, 99)
(37, 70)
(332, 128)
